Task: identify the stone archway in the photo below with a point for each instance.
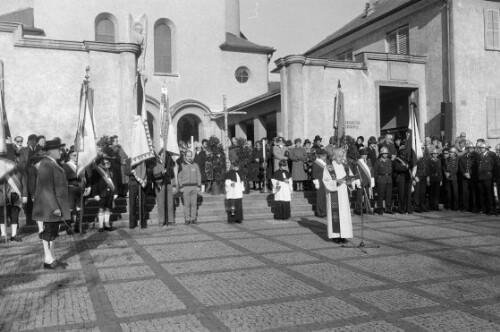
(188, 126)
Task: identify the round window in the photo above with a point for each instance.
(242, 74)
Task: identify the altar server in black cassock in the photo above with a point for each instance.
(234, 194)
(282, 190)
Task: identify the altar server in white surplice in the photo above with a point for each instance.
(336, 178)
(282, 189)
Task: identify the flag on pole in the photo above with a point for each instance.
(413, 147)
(339, 116)
(6, 164)
(142, 145)
(168, 134)
(85, 141)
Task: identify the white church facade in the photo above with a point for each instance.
(193, 47)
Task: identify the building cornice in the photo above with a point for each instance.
(326, 63)
(420, 59)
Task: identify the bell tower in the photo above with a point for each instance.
(233, 17)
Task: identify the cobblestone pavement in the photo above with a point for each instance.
(420, 272)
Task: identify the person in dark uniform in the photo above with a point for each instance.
(104, 189)
(134, 185)
(318, 167)
(421, 179)
(465, 171)
(485, 167)
(165, 187)
(364, 187)
(389, 144)
(435, 179)
(400, 168)
(450, 168)
(383, 181)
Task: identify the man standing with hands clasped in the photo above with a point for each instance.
(190, 185)
(51, 201)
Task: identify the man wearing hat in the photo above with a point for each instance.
(298, 156)
(105, 190)
(318, 167)
(450, 168)
(485, 167)
(51, 201)
(383, 180)
(330, 148)
(435, 179)
(279, 153)
(317, 144)
(465, 183)
(421, 179)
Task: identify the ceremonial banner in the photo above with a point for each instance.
(168, 133)
(142, 146)
(413, 147)
(6, 165)
(85, 142)
(339, 116)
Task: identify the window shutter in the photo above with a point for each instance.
(105, 31)
(392, 46)
(491, 29)
(403, 41)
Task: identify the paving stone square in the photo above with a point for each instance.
(282, 315)
(195, 250)
(207, 265)
(185, 323)
(394, 299)
(453, 320)
(413, 267)
(115, 257)
(130, 272)
(260, 246)
(466, 289)
(244, 286)
(335, 276)
(432, 272)
(142, 297)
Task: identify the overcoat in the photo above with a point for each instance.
(51, 192)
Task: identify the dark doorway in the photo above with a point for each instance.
(249, 130)
(188, 126)
(395, 108)
(271, 126)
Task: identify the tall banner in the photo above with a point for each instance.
(6, 165)
(413, 147)
(339, 116)
(168, 134)
(142, 145)
(85, 142)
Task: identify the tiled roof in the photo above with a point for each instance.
(381, 9)
(237, 44)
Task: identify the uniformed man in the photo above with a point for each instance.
(421, 179)
(383, 181)
(400, 167)
(450, 168)
(389, 144)
(466, 185)
(435, 179)
(485, 167)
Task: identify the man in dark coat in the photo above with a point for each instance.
(165, 188)
(51, 201)
(465, 170)
(485, 167)
(435, 179)
(450, 168)
(383, 181)
(318, 168)
(25, 156)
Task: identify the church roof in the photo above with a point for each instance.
(235, 43)
(379, 10)
(274, 89)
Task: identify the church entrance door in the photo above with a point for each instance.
(395, 108)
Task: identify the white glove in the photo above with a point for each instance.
(115, 196)
(97, 198)
(24, 200)
(86, 192)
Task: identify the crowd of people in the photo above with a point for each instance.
(464, 176)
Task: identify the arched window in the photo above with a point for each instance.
(164, 46)
(105, 28)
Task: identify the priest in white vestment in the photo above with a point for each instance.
(336, 178)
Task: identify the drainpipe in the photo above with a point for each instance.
(450, 118)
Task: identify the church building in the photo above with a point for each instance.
(440, 56)
(193, 47)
